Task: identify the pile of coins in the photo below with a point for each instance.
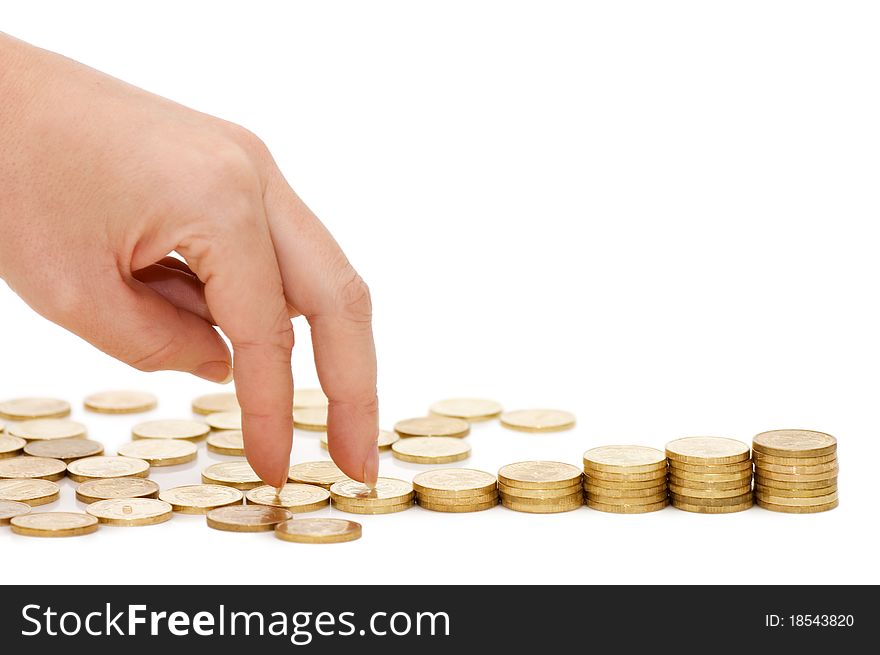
(540, 487)
(709, 475)
(625, 479)
(795, 471)
(387, 497)
(456, 490)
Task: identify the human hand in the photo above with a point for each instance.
(101, 181)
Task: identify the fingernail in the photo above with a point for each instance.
(215, 372)
(371, 467)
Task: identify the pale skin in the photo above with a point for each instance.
(100, 182)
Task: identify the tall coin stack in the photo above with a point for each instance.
(709, 475)
(456, 490)
(625, 479)
(540, 487)
(795, 471)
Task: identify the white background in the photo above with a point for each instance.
(660, 216)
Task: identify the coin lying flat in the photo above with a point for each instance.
(373, 509)
(709, 493)
(120, 402)
(47, 429)
(9, 509)
(308, 398)
(812, 469)
(625, 459)
(239, 475)
(711, 477)
(794, 443)
(455, 483)
(215, 402)
(711, 509)
(713, 502)
(797, 502)
(699, 484)
(199, 498)
(628, 500)
(538, 420)
(160, 452)
(793, 509)
(23, 409)
(431, 450)
(170, 429)
(26, 467)
(54, 524)
(761, 458)
(458, 508)
(627, 485)
(794, 478)
(385, 440)
(247, 518)
(707, 450)
(467, 409)
(130, 512)
(539, 475)
(318, 531)
(763, 481)
(30, 492)
(227, 442)
(491, 497)
(546, 494)
(66, 450)
(388, 491)
(107, 466)
(11, 446)
(658, 474)
(313, 419)
(113, 488)
(224, 420)
(741, 467)
(603, 492)
(432, 426)
(627, 508)
(322, 473)
(542, 508)
(295, 497)
(795, 493)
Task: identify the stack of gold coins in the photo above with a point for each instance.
(540, 487)
(795, 471)
(388, 496)
(709, 475)
(456, 490)
(625, 479)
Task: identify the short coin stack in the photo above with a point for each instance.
(456, 490)
(795, 471)
(540, 487)
(625, 479)
(388, 496)
(709, 475)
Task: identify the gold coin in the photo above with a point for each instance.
(711, 509)
(54, 524)
(22, 409)
(538, 420)
(47, 429)
(659, 474)
(323, 473)
(711, 477)
(313, 419)
(116, 488)
(709, 486)
(797, 502)
(120, 402)
(707, 450)
(789, 509)
(713, 502)
(2, 426)
(107, 466)
(446, 500)
(458, 509)
(295, 497)
(467, 409)
(318, 531)
(539, 475)
(130, 512)
(798, 470)
(170, 429)
(623, 486)
(385, 440)
(546, 508)
(160, 452)
(32, 467)
(795, 493)
(517, 492)
(372, 509)
(624, 459)
(224, 420)
(780, 484)
(388, 491)
(227, 442)
(735, 467)
(627, 509)
(308, 398)
(455, 483)
(553, 500)
(10, 446)
(199, 498)
(66, 450)
(432, 426)
(812, 477)
(761, 458)
(213, 403)
(709, 493)
(238, 475)
(431, 450)
(604, 492)
(247, 518)
(795, 443)
(30, 492)
(9, 509)
(627, 500)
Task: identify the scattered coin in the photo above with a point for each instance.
(213, 403)
(308, 398)
(54, 524)
(66, 450)
(318, 531)
(129, 512)
(114, 488)
(295, 497)
(322, 473)
(120, 402)
(48, 429)
(10, 446)
(26, 467)
(224, 420)
(9, 509)
(431, 450)
(467, 409)
(384, 442)
(31, 492)
(199, 498)
(22, 409)
(795, 443)
(538, 420)
(539, 475)
(227, 442)
(170, 429)
(432, 426)
(313, 419)
(160, 452)
(238, 475)
(247, 518)
(107, 466)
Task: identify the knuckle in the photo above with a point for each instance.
(158, 355)
(354, 299)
